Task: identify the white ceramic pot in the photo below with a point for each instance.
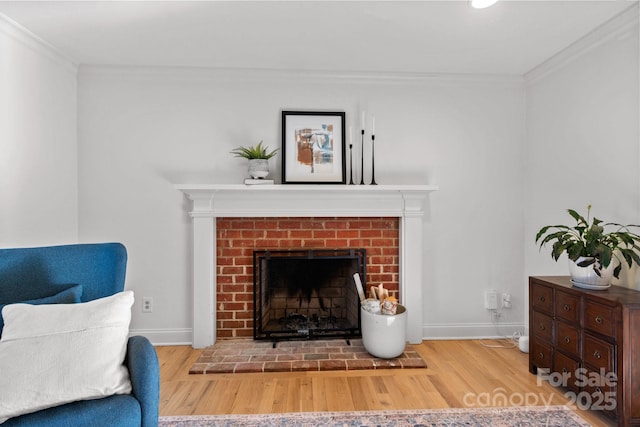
(586, 277)
(384, 335)
(258, 168)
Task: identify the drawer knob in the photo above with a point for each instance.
(541, 355)
(598, 390)
(541, 327)
(566, 307)
(597, 354)
(542, 298)
(565, 371)
(598, 319)
(567, 340)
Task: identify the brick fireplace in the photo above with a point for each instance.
(230, 220)
(237, 238)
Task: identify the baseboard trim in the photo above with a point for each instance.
(160, 337)
(454, 331)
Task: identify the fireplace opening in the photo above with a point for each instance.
(307, 294)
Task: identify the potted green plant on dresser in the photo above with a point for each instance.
(595, 250)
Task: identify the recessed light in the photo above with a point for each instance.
(481, 4)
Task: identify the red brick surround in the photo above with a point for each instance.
(237, 238)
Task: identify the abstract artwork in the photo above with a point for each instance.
(313, 147)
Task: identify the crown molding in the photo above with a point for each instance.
(304, 76)
(25, 37)
(617, 26)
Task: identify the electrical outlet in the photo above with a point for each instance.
(491, 299)
(506, 300)
(147, 304)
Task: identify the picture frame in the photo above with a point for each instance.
(313, 147)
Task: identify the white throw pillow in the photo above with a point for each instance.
(60, 353)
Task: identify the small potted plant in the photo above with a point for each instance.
(258, 158)
(595, 250)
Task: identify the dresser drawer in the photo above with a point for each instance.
(543, 326)
(567, 307)
(598, 354)
(541, 355)
(600, 318)
(568, 367)
(599, 392)
(568, 338)
(542, 298)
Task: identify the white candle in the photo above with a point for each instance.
(373, 125)
(350, 135)
(362, 121)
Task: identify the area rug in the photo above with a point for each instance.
(242, 356)
(532, 416)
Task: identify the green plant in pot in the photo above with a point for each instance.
(595, 250)
(258, 157)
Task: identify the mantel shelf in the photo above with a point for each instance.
(240, 200)
(338, 188)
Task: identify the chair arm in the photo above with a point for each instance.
(144, 371)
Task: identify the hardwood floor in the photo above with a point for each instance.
(460, 373)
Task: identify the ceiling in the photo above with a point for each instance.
(511, 37)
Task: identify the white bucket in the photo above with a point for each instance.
(384, 335)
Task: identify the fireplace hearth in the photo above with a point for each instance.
(307, 294)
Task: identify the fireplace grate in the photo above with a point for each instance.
(307, 294)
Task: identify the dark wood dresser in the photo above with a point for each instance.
(587, 342)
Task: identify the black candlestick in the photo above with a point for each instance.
(362, 158)
(350, 163)
(373, 161)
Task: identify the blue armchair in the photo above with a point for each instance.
(34, 275)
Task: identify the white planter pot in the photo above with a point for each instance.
(258, 168)
(586, 277)
(384, 335)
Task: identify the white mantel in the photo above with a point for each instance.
(210, 201)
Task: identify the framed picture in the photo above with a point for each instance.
(313, 147)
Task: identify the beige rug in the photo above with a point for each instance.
(529, 416)
(242, 356)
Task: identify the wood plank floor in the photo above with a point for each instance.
(460, 373)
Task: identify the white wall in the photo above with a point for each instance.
(38, 147)
(140, 131)
(583, 145)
